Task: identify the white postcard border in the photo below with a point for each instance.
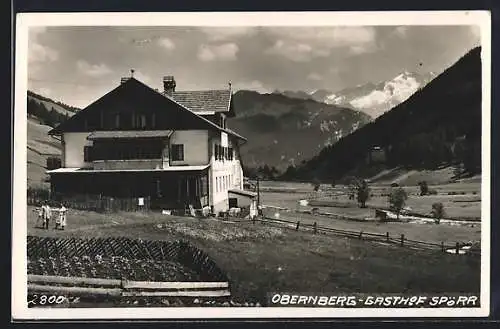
(19, 229)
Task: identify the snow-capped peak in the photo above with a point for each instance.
(375, 99)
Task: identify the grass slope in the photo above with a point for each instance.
(261, 259)
(39, 146)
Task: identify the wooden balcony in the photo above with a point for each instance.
(132, 164)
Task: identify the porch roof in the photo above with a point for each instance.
(249, 194)
(167, 169)
(129, 134)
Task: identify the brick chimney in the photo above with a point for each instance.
(168, 84)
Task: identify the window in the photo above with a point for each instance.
(117, 120)
(203, 186)
(230, 154)
(153, 120)
(177, 152)
(139, 120)
(216, 151)
(87, 153)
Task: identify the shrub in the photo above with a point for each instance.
(316, 184)
(37, 194)
(394, 185)
(432, 192)
(363, 193)
(424, 188)
(437, 212)
(397, 200)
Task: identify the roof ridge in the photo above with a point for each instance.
(200, 90)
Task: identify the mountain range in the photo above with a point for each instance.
(370, 98)
(283, 131)
(439, 125)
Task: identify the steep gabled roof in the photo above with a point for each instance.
(201, 101)
(204, 100)
(135, 91)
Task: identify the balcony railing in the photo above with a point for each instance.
(132, 164)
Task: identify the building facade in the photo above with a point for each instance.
(172, 146)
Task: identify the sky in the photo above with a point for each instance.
(77, 65)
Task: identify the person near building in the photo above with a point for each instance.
(62, 216)
(47, 214)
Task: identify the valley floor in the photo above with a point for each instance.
(261, 258)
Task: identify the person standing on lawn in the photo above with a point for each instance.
(62, 216)
(47, 213)
(39, 220)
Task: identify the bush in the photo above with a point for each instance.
(316, 184)
(363, 193)
(437, 212)
(36, 195)
(394, 185)
(397, 200)
(432, 192)
(424, 188)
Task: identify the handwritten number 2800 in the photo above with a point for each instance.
(47, 300)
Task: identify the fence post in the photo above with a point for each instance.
(387, 236)
(442, 246)
(298, 224)
(402, 240)
(315, 226)
(457, 248)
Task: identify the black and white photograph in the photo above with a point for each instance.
(251, 165)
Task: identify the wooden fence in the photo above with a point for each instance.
(91, 202)
(94, 287)
(387, 238)
(180, 251)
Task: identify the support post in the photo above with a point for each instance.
(387, 236)
(315, 226)
(457, 248)
(402, 240)
(298, 224)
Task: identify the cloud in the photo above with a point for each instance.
(228, 33)
(314, 76)
(37, 52)
(44, 91)
(306, 43)
(93, 70)
(166, 43)
(298, 52)
(475, 30)
(223, 52)
(255, 85)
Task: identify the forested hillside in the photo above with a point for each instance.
(440, 124)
